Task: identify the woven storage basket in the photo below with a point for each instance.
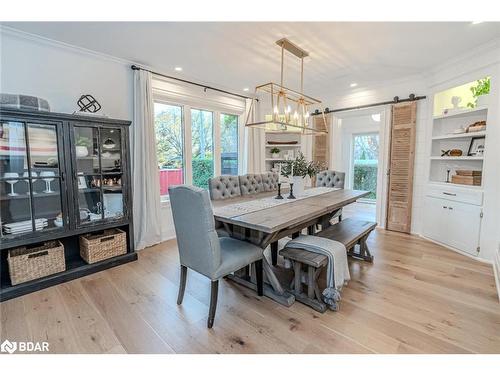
(27, 264)
(95, 247)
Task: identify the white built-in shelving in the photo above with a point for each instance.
(445, 136)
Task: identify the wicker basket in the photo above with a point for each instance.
(27, 264)
(95, 247)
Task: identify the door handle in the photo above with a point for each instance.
(451, 194)
(450, 208)
(445, 207)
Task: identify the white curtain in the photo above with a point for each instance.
(254, 140)
(146, 181)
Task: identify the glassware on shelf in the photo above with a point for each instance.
(48, 177)
(33, 179)
(26, 176)
(12, 175)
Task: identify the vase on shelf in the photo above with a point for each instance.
(275, 156)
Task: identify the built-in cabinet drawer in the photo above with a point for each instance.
(452, 223)
(457, 194)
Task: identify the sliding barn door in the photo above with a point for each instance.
(402, 155)
(321, 142)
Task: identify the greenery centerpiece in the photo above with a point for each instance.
(481, 88)
(298, 169)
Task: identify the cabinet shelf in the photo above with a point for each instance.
(458, 136)
(460, 158)
(284, 145)
(26, 196)
(462, 113)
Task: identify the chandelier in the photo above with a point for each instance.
(288, 109)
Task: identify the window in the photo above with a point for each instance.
(365, 160)
(169, 145)
(229, 144)
(202, 160)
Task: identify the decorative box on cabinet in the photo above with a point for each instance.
(62, 176)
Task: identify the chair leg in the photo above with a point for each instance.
(213, 303)
(274, 253)
(260, 277)
(182, 284)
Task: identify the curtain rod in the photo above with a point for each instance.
(411, 98)
(205, 87)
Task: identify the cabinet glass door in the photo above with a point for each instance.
(30, 176)
(98, 154)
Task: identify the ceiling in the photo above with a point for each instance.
(243, 54)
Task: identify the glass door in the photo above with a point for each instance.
(365, 163)
(31, 178)
(98, 155)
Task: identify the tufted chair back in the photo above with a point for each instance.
(197, 240)
(270, 181)
(251, 184)
(224, 187)
(330, 179)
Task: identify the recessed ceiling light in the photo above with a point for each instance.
(376, 117)
(178, 69)
(246, 89)
(477, 22)
(354, 84)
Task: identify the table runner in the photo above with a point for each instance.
(254, 205)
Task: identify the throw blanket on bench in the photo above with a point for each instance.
(337, 272)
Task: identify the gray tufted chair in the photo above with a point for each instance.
(224, 187)
(251, 184)
(201, 249)
(270, 181)
(330, 179)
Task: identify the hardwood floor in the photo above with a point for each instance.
(417, 297)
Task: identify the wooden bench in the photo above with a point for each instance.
(310, 265)
(351, 232)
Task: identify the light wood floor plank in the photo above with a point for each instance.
(417, 297)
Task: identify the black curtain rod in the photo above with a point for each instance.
(411, 98)
(205, 87)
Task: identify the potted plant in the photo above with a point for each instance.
(297, 170)
(480, 92)
(275, 152)
(82, 146)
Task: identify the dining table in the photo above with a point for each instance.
(263, 220)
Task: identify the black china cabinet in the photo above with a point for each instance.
(62, 176)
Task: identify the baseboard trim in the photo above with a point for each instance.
(457, 250)
(496, 271)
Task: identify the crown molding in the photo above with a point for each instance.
(10, 31)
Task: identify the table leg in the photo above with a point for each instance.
(272, 288)
(274, 253)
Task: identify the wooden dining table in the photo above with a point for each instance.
(261, 221)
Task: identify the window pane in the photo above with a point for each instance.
(229, 144)
(169, 145)
(202, 147)
(366, 148)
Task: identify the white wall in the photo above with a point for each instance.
(60, 74)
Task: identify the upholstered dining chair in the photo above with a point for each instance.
(201, 249)
(224, 187)
(331, 179)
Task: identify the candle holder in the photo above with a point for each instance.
(291, 196)
(279, 196)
